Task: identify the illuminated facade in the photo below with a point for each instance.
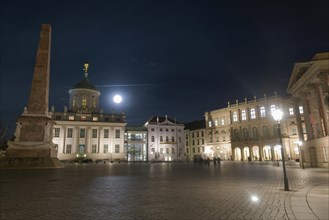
(165, 139)
(195, 139)
(309, 87)
(136, 143)
(84, 131)
(246, 130)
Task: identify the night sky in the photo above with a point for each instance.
(180, 58)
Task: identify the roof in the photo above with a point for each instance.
(195, 125)
(85, 84)
(160, 119)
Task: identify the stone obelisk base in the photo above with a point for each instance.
(27, 155)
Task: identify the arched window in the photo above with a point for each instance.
(236, 134)
(245, 133)
(255, 132)
(265, 132)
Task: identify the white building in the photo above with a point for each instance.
(83, 131)
(309, 87)
(165, 139)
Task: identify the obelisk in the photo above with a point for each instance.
(33, 146)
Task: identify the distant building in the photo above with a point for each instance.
(83, 130)
(309, 87)
(165, 139)
(195, 140)
(136, 143)
(247, 131)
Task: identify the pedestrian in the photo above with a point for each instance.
(219, 161)
(214, 160)
(208, 162)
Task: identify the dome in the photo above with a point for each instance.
(85, 84)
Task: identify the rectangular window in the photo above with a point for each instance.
(243, 115)
(262, 112)
(187, 150)
(71, 118)
(95, 118)
(291, 111)
(83, 117)
(117, 133)
(68, 148)
(209, 123)
(272, 108)
(117, 148)
(106, 148)
(186, 143)
(82, 133)
(193, 143)
(69, 132)
(106, 133)
(193, 150)
(84, 102)
(202, 141)
(186, 136)
(173, 150)
(93, 148)
(252, 113)
(301, 110)
(223, 121)
(94, 134)
(216, 123)
(167, 150)
(57, 130)
(152, 150)
(198, 149)
(203, 149)
(235, 116)
(202, 134)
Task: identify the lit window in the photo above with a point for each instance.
(71, 117)
(243, 115)
(83, 117)
(301, 110)
(262, 112)
(209, 123)
(84, 102)
(95, 119)
(223, 121)
(235, 116)
(216, 123)
(272, 108)
(291, 111)
(252, 113)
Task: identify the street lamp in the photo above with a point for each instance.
(299, 143)
(277, 115)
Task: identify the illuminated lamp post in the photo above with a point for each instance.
(277, 116)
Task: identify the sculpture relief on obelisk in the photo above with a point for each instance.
(33, 146)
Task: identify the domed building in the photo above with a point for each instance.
(83, 131)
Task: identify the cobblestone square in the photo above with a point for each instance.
(233, 190)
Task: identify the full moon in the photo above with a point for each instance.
(117, 99)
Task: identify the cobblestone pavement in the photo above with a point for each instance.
(153, 191)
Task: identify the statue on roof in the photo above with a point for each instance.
(85, 69)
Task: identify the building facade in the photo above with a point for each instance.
(136, 144)
(247, 131)
(309, 87)
(195, 140)
(84, 131)
(165, 139)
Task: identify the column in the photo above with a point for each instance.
(76, 142)
(87, 138)
(299, 121)
(64, 139)
(309, 129)
(323, 91)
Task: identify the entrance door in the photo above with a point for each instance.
(81, 149)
